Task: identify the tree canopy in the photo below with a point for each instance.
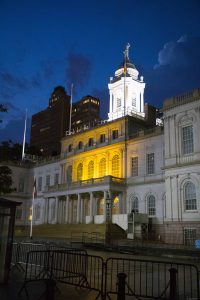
(5, 180)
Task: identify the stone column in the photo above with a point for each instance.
(56, 213)
(104, 209)
(78, 209)
(91, 208)
(67, 209)
(81, 210)
(46, 210)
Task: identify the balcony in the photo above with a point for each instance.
(107, 180)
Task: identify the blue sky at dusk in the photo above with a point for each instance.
(48, 43)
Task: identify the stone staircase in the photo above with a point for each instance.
(71, 231)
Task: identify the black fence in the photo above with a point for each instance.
(152, 279)
(115, 277)
(20, 251)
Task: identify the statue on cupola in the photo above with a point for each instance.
(126, 90)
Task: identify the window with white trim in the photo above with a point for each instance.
(56, 178)
(134, 166)
(187, 139)
(135, 204)
(40, 184)
(190, 200)
(48, 180)
(21, 185)
(190, 236)
(150, 163)
(151, 205)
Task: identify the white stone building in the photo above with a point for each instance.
(154, 170)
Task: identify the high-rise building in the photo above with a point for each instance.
(49, 126)
(85, 113)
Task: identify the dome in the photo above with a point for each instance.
(127, 67)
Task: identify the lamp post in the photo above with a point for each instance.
(108, 218)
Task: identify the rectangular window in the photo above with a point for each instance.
(134, 166)
(102, 138)
(150, 163)
(21, 185)
(39, 184)
(114, 134)
(18, 214)
(189, 236)
(187, 140)
(48, 180)
(56, 178)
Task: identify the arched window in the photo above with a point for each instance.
(69, 174)
(80, 145)
(115, 166)
(187, 139)
(79, 172)
(135, 204)
(151, 205)
(102, 167)
(190, 200)
(70, 148)
(90, 169)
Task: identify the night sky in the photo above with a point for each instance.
(48, 43)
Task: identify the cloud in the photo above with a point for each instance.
(177, 70)
(78, 69)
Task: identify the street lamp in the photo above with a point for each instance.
(108, 218)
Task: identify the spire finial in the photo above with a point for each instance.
(126, 52)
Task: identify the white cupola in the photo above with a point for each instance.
(126, 90)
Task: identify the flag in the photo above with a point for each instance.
(34, 189)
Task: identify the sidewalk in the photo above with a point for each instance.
(37, 290)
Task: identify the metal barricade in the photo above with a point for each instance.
(151, 279)
(65, 266)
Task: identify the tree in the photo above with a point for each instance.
(6, 180)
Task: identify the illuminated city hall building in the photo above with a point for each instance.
(140, 164)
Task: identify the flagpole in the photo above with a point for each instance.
(24, 139)
(32, 206)
(70, 113)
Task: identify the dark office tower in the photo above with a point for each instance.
(49, 126)
(85, 113)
